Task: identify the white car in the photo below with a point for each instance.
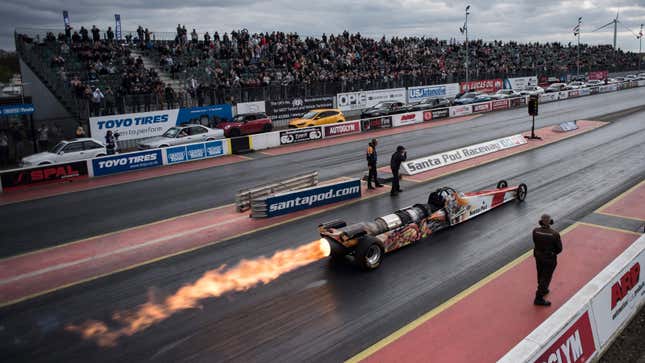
(532, 90)
(180, 135)
(594, 83)
(641, 75)
(505, 93)
(612, 80)
(67, 151)
(576, 85)
(631, 77)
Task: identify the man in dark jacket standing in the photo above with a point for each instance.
(395, 164)
(547, 246)
(371, 165)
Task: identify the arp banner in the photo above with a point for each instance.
(342, 128)
(294, 136)
(312, 197)
(486, 85)
(179, 154)
(574, 345)
(598, 75)
(619, 299)
(407, 118)
(43, 174)
(126, 162)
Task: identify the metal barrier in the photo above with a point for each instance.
(245, 198)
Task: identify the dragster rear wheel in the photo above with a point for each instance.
(521, 192)
(369, 253)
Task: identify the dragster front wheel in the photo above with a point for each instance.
(369, 253)
(521, 192)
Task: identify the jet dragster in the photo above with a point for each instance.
(368, 242)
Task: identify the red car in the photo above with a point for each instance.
(251, 123)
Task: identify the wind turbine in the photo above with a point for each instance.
(615, 23)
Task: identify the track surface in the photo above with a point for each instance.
(315, 313)
(74, 216)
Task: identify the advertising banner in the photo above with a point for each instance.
(517, 102)
(486, 85)
(499, 104)
(482, 107)
(283, 111)
(294, 136)
(427, 163)
(407, 119)
(179, 154)
(436, 114)
(575, 344)
(66, 19)
(43, 174)
(619, 299)
(251, 107)
(574, 93)
(461, 110)
(548, 97)
(126, 162)
(376, 123)
(563, 95)
(520, 83)
(608, 88)
(343, 128)
(584, 91)
(364, 99)
(437, 91)
(134, 126)
(598, 75)
(117, 26)
(15, 110)
(312, 197)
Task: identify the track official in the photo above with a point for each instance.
(372, 158)
(548, 245)
(399, 156)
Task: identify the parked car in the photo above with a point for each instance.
(251, 123)
(383, 108)
(429, 103)
(66, 151)
(576, 85)
(471, 97)
(556, 87)
(179, 135)
(594, 83)
(532, 90)
(641, 76)
(631, 77)
(318, 117)
(505, 93)
(620, 79)
(612, 80)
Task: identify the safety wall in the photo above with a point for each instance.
(586, 325)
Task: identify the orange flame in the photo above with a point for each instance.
(214, 283)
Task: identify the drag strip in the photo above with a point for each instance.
(88, 213)
(318, 313)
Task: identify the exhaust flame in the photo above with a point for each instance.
(214, 283)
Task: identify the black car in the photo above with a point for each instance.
(429, 103)
(383, 108)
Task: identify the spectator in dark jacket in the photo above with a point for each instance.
(547, 247)
(395, 164)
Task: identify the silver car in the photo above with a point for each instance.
(179, 135)
(505, 93)
(67, 151)
(532, 90)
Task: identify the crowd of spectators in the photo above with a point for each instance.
(211, 66)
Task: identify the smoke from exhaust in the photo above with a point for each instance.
(214, 283)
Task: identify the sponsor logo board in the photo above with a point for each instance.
(283, 111)
(251, 107)
(486, 85)
(407, 118)
(427, 163)
(482, 107)
(43, 174)
(619, 299)
(438, 91)
(343, 128)
(436, 114)
(179, 154)
(126, 162)
(312, 197)
(499, 104)
(364, 99)
(520, 83)
(294, 136)
(461, 110)
(598, 75)
(574, 345)
(377, 123)
(15, 110)
(548, 97)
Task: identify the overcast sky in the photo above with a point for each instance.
(520, 20)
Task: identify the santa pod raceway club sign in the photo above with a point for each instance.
(342, 128)
(294, 136)
(427, 163)
(312, 197)
(179, 154)
(486, 85)
(126, 162)
(574, 345)
(619, 299)
(43, 174)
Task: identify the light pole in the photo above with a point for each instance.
(466, 30)
(576, 32)
(640, 47)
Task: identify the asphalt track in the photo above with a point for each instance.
(318, 313)
(50, 221)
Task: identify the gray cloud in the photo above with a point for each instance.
(519, 20)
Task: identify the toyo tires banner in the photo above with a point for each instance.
(126, 162)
